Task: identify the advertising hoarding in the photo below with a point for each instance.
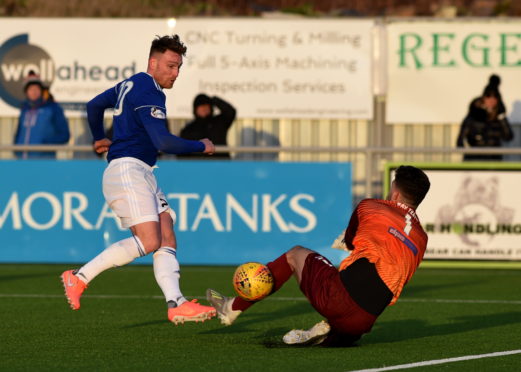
(472, 211)
(265, 68)
(227, 212)
(435, 68)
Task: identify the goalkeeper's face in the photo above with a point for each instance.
(164, 68)
(393, 192)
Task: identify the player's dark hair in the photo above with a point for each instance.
(412, 183)
(168, 42)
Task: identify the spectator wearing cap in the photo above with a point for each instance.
(486, 124)
(208, 125)
(41, 121)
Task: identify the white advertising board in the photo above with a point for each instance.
(265, 68)
(78, 58)
(280, 68)
(472, 212)
(435, 68)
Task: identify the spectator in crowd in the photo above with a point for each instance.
(41, 121)
(208, 125)
(486, 124)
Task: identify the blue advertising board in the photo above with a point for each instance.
(227, 212)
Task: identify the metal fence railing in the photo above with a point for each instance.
(367, 173)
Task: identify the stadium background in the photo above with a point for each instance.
(376, 131)
(459, 314)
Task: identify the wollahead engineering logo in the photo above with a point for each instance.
(17, 58)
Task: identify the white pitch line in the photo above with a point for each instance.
(137, 297)
(459, 301)
(29, 295)
(440, 361)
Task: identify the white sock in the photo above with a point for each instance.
(166, 271)
(118, 254)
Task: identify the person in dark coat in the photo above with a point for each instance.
(486, 124)
(208, 125)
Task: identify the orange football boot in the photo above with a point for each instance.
(190, 311)
(74, 287)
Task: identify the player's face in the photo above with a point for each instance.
(165, 68)
(393, 193)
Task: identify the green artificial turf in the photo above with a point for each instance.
(445, 312)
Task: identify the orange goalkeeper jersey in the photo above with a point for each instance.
(390, 236)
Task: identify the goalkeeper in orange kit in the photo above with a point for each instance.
(387, 243)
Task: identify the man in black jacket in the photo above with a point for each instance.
(486, 124)
(208, 125)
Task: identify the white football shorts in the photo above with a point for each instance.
(131, 191)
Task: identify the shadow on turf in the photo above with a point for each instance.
(244, 325)
(28, 276)
(146, 324)
(401, 330)
(416, 289)
(248, 319)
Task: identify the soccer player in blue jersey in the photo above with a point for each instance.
(129, 186)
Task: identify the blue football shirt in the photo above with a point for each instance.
(139, 125)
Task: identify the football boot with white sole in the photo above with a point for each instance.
(223, 305)
(313, 336)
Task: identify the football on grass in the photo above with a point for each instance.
(252, 281)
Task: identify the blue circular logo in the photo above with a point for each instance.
(17, 58)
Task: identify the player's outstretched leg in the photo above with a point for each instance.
(190, 311)
(223, 305)
(229, 308)
(74, 288)
(313, 336)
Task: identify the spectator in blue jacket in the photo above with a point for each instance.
(41, 121)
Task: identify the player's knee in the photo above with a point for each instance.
(295, 250)
(297, 255)
(151, 244)
(292, 254)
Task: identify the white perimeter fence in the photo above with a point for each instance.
(358, 142)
